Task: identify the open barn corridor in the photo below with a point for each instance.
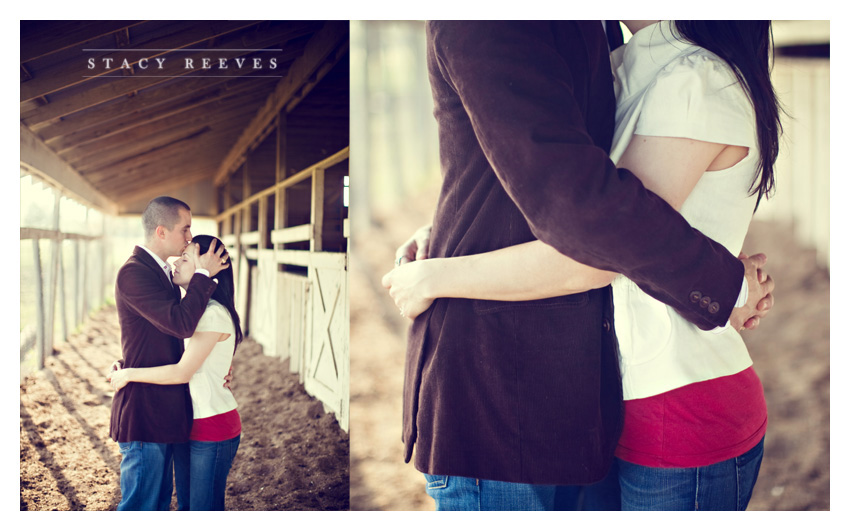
(292, 456)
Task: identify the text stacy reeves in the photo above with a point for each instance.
(206, 63)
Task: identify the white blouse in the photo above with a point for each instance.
(666, 87)
(209, 396)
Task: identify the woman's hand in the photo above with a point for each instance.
(415, 248)
(119, 379)
(213, 261)
(409, 286)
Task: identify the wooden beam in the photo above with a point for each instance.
(148, 147)
(292, 180)
(134, 141)
(136, 168)
(46, 234)
(191, 102)
(251, 238)
(301, 233)
(43, 162)
(162, 188)
(141, 103)
(323, 46)
(40, 38)
(168, 177)
(197, 136)
(109, 89)
(71, 73)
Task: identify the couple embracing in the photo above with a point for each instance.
(170, 433)
(577, 301)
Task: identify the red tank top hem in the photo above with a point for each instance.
(696, 425)
(221, 427)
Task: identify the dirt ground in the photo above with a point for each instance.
(790, 351)
(292, 455)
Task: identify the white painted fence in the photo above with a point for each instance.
(298, 317)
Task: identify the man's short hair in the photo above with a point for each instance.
(163, 211)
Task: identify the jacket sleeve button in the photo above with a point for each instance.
(695, 296)
(704, 302)
(713, 307)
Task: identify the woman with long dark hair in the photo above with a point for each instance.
(698, 122)
(202, 465)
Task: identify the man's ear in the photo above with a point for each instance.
(160, 232)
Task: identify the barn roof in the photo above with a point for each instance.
(117, 112)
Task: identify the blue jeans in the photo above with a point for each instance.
(457, 493)
(201, 470)
(724, 486)
(146, 476)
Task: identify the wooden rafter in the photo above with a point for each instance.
(42, 38)
(117, 139)
(72, 73)
(327, 45)
(135, 140)
(166, 115)
(109, 89)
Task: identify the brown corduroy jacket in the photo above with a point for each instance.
(154, 321)
(529, 391)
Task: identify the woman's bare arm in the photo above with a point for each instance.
(196, 353)
(670, 167)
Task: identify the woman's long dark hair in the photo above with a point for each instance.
(745, 45)
(225, 292)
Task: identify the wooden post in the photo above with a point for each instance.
(317, 209)
(360, 160)
(262, 223)
(106, 259)
(280, 173)
(39, 302)
(62, 305)
(85, 270)
(228, 202)
(50, 314)
(246, 193)
(78, 308)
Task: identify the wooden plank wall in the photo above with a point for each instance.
(802, 170)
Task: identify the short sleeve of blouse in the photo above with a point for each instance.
(698, 97)
(215, 319)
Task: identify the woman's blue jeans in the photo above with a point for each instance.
(724, 486)
(200, 472)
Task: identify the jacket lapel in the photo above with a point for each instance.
(144, 257)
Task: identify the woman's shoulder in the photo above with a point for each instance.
(215, 314)
(699, 85)
(700, 69)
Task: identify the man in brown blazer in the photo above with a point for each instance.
(527, 395)
(148, 419)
